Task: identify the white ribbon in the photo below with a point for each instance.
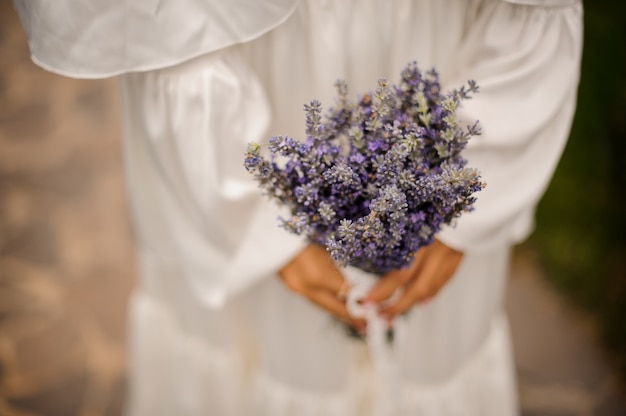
(381, 350)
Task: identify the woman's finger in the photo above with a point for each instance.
(439, 265)
(329, 301)
(312, 269)
(394, 280)
(314, 275)
(321, 271)
(423, 286)
(387, 285)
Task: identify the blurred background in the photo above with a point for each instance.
(67, 252)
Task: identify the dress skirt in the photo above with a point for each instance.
(213, 331)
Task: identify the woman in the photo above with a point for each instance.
(214, 330)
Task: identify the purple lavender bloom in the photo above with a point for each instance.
(376, 178)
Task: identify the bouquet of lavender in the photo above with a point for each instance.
(375, 179)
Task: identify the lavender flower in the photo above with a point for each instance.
(376, 178)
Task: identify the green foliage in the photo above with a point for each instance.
(581, 221)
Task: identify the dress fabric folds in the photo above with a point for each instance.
(232, 329)
(213, 330)
(103, 38)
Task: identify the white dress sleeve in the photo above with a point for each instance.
(199, 216)
(526, 60)
(103, 38)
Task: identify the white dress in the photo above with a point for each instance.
(213, 331)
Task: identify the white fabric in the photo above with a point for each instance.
(279, 355)
(103, 38)
(383, 353)
(213, 330)
(526, 61)
(197, 212)
(545, 3)
(209, 258)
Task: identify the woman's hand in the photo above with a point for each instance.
(433, 266)
(313, 274)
